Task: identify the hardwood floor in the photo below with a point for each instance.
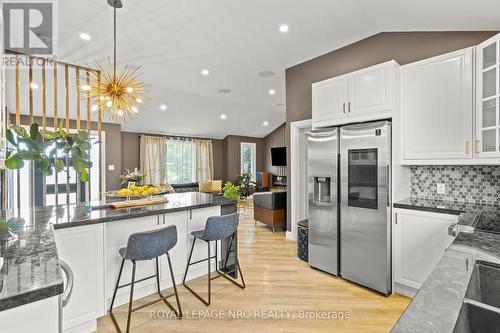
(276, 280)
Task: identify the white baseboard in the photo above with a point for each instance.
(405, 290)
(290, 236)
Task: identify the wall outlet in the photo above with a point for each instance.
(111, 167)
(441, 188)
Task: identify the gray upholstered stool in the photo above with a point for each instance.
(216, 229)
(147, 245)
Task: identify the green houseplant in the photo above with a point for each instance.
(38, 146)
(231, 191)
(247, 186)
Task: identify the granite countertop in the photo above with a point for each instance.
(436, 306)
(65, 216)
(31, 269)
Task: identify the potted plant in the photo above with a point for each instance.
(36, 145)
(136, 177)
(247, 186)
(231, 191)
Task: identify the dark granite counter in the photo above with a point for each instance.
(436, 306)
(31, 269)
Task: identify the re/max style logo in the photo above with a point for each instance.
(28, 27)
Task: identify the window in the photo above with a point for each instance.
(248, 158)
(180, 166)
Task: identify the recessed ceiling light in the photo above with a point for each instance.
(272, 92)
(223, 116)
(265, 73)
(33, 85)
(224, 91)
(265, 123)
(163, 107)
(85, 36)
(284, 28)
(139, 100)
(205, 72)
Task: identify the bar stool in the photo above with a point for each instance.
(216, 229)
(147, 245)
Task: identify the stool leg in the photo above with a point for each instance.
(116, 287)
(209, 278)
(236, 262)
(131, 297)
(189, 262)
(175, 287)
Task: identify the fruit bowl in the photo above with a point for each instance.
(137, 192)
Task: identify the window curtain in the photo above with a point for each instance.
(204, 160)
(152, 159)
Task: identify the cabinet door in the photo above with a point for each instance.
(178, 255)
(371, 89)
(437, 107)
(82, 249)
(329, 99)
(420, 242)
(487, 142)
(117, 234)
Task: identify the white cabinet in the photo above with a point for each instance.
(420, 241)
(82, 249)
(329, 99)
(371, 89)
(437, 108)
(487, 144)
(39, 316)
(367, 94)
(178, 254)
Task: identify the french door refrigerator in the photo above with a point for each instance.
(349, 226)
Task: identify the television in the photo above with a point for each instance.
(278, 156)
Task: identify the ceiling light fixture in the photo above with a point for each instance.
(205, 72)
(163, 107)
(224, 91)
(272, 92)
(117, 92)
(284, 28)
(265, 123)
(86, 37)
(223, 116)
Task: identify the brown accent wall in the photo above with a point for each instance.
(276, 138)
(232, 158)
(130, 153)
(404, 47)
(112, 146)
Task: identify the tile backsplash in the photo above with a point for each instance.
(472, 184)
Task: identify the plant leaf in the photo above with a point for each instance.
(59, 165)
(34, 131)
(14, 162)
(20, 131)
(11, 137)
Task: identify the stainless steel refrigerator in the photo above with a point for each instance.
(349, 203)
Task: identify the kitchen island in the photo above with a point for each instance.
(88, 237)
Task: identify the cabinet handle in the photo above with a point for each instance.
(467, 147)
(343, 108)
(349, 107)
(476, 147)
(396, 218)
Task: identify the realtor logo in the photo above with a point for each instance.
(28, 27)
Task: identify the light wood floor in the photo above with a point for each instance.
(276, 280)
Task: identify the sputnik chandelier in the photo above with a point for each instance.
(118, 93)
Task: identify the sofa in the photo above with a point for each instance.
(270, 208)
(209, 186)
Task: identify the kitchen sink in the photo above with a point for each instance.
(484, 285)
(476, 319)
(480, 312)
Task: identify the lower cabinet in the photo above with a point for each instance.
(420, 241)
(39, 316)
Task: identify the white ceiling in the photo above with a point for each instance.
(174, 39)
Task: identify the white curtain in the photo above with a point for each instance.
(152, 159)
(204, 160)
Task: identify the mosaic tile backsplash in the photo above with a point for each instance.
(472, 184)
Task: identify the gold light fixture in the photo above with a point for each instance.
(117, 93)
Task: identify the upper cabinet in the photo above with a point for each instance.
(364, 95)
(437, 108)
(487, 143)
